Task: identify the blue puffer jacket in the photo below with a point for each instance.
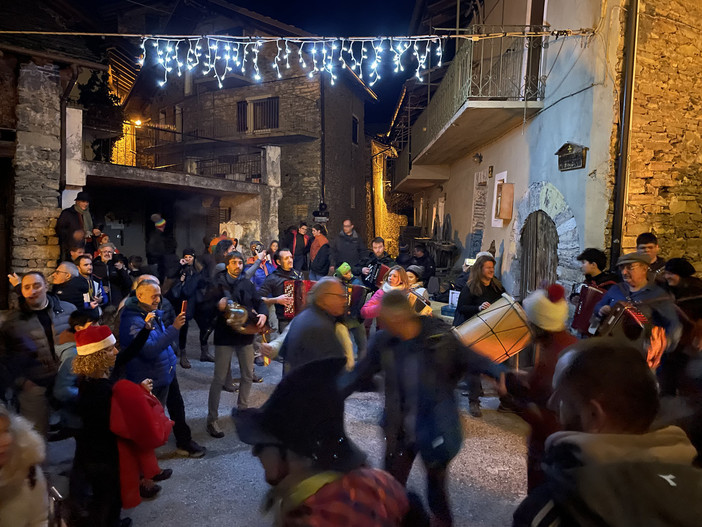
(156, 360)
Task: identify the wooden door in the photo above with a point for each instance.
(539, 260)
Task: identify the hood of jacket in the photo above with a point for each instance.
(625, 479)
(27, 450)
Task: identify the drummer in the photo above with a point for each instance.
(649, 298)
(478, 294)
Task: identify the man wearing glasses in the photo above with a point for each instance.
(648, 297)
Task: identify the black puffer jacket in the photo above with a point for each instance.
(25, 349)
(348, 248)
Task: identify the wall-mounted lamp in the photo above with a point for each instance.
(478, 158)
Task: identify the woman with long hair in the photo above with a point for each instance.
(320, 252)
(478, 294)
(396, 280)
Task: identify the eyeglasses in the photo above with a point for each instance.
(630, 266)
(58, 271)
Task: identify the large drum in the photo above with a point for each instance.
(498, 332)
(298, 290)
(419, 304)
(589, 298)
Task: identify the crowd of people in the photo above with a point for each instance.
(93, 353)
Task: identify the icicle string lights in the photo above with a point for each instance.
(219, 56)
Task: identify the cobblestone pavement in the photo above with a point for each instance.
(225, 488)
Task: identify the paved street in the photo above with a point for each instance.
(225, 487)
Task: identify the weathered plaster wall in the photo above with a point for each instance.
(665, 189)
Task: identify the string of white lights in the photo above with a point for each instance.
(222, 55)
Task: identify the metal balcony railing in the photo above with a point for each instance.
(148, 147)
(499, 68)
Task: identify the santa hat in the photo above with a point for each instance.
(547, 308)
(94, 338)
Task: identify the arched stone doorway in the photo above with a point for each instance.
(539, 259)
(544, 197)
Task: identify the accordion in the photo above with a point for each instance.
(298, 290)
(624, 320)
(355, 298)
(374, 279)
(589, 297)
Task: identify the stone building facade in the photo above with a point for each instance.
(665, 189)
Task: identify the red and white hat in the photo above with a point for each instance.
(94, 338)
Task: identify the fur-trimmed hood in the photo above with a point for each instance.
(27, 450)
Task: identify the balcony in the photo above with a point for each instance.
(140, 152)
(490, 87)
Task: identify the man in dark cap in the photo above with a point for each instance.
(648, 297)
(72, 219)
(608, 467)
(315, 470)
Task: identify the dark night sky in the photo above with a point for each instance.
(348, 18)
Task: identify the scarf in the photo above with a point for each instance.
(317, 244)
(86, 219)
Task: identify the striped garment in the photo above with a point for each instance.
(364, 497)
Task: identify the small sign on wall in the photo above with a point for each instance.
(571, 157)
(500, 179)
(301, 211)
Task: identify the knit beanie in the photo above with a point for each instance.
(680, 267)
(343, 269)
(94, 338)
(188, 252)
(547, 308)
(158, 220)
(418, 271)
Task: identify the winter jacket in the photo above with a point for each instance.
(371, 309)
(138, 421)
(322, 261)
(117, 280)
(65, 389)
(370, 259)
(274, 285)
(77, 292)
(348, 248)
(311, 336)
(298, 245)
(616, 480)
(468, 304)
(258, 270)
(68, 222)
(25, 350)
(240, 291)
(156, 359)
(23, 496)
(441, 361)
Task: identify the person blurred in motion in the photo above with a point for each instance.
(317, 474)
(607, 467)
(547, 313)
(422, 361)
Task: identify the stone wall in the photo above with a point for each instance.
(665, 189)
(36, 163)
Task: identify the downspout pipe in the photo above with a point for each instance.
(64, 103)
(621, 174)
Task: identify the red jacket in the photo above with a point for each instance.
(138, 421)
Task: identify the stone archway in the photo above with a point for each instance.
(547, 198)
